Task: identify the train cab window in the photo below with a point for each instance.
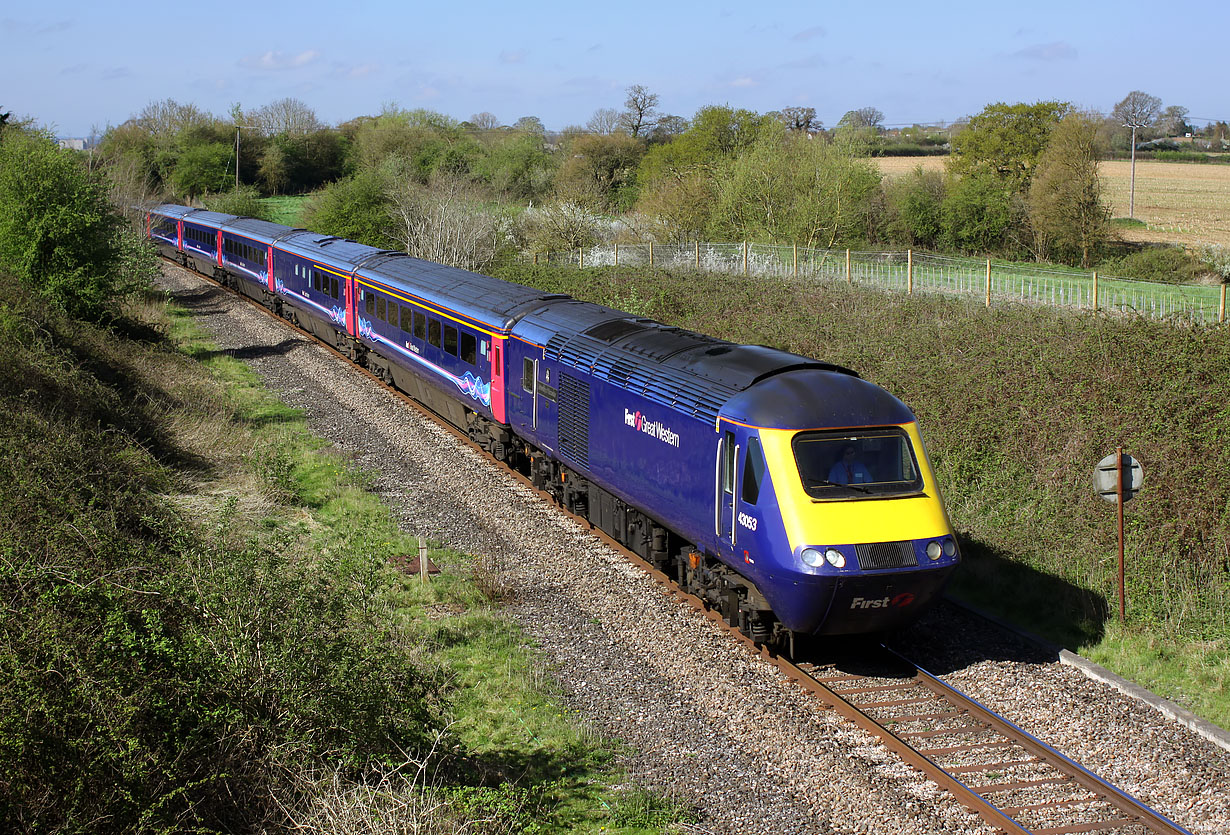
(369, 302)
(420, 325)
(853, 463)
(433, 332)
(469, 348)
(450, 339)
(728, 464)
(527, 374)
(380, 307)
(753, 471)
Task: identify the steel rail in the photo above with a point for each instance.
(833, 699)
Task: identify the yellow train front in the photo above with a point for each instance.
(829, 504)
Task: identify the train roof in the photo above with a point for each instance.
(261, 230)
(688, 371)
(474, 295)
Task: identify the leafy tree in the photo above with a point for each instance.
(641, 113)
(356, 207)
(600, 170)
(667, 128)
(1066, 210)
(977, 214)
(915, 208)
(1004, 142)
(864, 117)
(59, 233)
(530, 124)
(791, 189)
(204, 168)
(802, 119)
(518, 166)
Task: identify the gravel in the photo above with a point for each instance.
(703, 720)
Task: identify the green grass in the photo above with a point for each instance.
(503, 707)
(286, 209)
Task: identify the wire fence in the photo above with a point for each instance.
(911, 272)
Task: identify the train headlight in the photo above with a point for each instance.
(835, 558)
(934, 550)
(812, 557)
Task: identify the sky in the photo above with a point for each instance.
(75, 66)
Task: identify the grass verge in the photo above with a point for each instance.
(205, 630)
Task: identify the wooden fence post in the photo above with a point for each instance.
(796, 260)
(698, 256)
(909, 272)
(1221, 314)
(580, 258)
(849, 275)
(1095, 289)
(988, 282)
(745, 258)
(651, 253)
(617, 253)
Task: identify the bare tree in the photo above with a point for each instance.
(285, 116)
(1173, 121)
(443, 222)
(485, 121)
(165, 119)
(802, 119)
(1136, 111)
(641, 114)
(605, 121)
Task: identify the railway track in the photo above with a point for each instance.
(1010, 779)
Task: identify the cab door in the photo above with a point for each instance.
(725, 479)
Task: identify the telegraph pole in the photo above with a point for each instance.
(237, 127)
(1133, 124)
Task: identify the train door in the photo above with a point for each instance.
(496, 355)
(537, 380)
(725, 478)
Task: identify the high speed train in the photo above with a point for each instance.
(791, 494)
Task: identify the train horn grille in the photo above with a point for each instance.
(877, 555)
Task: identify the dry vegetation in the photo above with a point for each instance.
(1182, 203)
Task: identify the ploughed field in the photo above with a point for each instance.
(1181, 203)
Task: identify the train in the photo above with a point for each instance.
(792, 495)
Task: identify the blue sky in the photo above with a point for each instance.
(74, 65)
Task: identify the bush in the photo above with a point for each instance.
(244, 201)
(356, 208)
(59, 233)
(1169, 264)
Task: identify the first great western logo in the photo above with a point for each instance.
(652, 428)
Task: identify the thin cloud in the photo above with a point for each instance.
(512, 57)
(1054, 51)
(809, 34)
(273, 61)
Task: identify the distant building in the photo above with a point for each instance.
(76, 144)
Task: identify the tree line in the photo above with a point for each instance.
(1021, 180)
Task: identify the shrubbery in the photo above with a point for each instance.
(59, 233)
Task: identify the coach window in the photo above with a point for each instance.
(450, 339)
(753, 471)
(333, 288)
(380, 307)
(369, 302)
(394, 316)
(406, 319)
(433, 332)
(420, 325)
(469, 348)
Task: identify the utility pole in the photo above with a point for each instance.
(237, 127)
(1133, 124)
